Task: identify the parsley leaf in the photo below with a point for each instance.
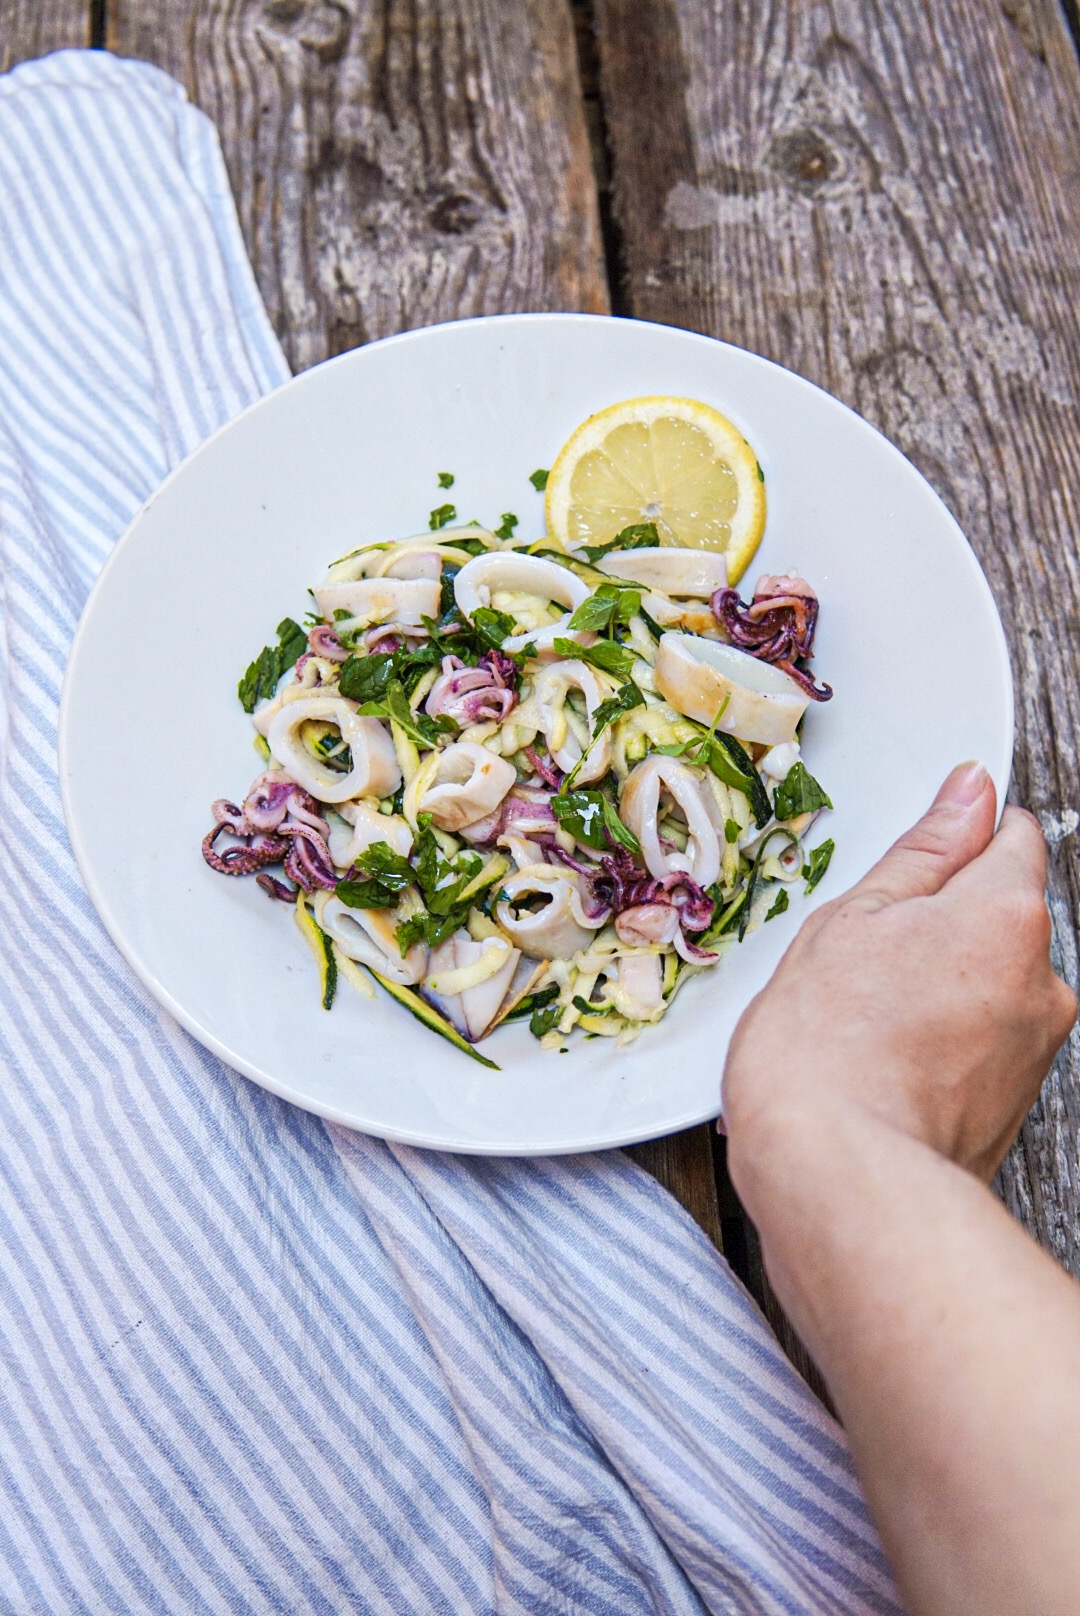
(539, 480)
(366, 894)
(542, 1021)
(442, 882)
(261, 677)
(819, 863)
(447, 600)
(388, 876)
(609, 606)
(730, 763)
(381, 861)
(412, 930)
(731, 830)
(292, 642)
(448, 635)
(591, 818)
(394, 704)
(506, 527)
(421, 729)
(779, 903)
(640, 536)
(799, 793)
(440, 516)
(446, 479)
(364, 678)
(367, 678)
(608, 655)
(622, 702)
(492, 627)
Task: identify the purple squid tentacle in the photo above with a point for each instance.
(263, 850)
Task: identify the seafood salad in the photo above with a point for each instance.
(528, 780)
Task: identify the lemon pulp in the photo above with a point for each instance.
(676, 462)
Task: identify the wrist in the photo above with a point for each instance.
(829, 1190)
(774, 1145)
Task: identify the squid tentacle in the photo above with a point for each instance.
(777, 626)
(263, 850)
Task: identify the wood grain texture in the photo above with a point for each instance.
(394, 163)
(683, 1163)
(885, 198)
(30, 28)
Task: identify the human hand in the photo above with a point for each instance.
(922, 1000)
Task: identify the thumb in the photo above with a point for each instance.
(957, 827)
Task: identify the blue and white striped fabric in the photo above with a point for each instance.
(253, 1364)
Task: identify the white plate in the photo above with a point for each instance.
(909, 638)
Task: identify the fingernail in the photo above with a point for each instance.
(966, 784)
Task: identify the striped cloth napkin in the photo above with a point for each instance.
(253, 1363)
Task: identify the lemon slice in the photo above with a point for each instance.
(672, 461)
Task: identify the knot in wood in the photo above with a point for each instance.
(322, 26)
(455, 215)
(804, 159)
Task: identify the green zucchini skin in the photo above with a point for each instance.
(418, 1007)
(743, 776)
(330, 970)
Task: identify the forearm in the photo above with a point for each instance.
(951, 1345)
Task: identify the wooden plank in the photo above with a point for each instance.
(885, 198)
(683, 1163)
(30, 28)
(393, 165)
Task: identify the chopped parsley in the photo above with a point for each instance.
(779, 904)
(441, 881)
(623, 701)
(441, 515)
(388, 874)
(492, 627)
(446, 479)
(539, 480)
(799, 793)
(607, 655)
(420, 729)
(365, 678)
(591, 818)
(818, 864)
(640, 536)
(543, 1021)
(261, 678)
(609, 607)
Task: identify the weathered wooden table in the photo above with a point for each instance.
(883, 196)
